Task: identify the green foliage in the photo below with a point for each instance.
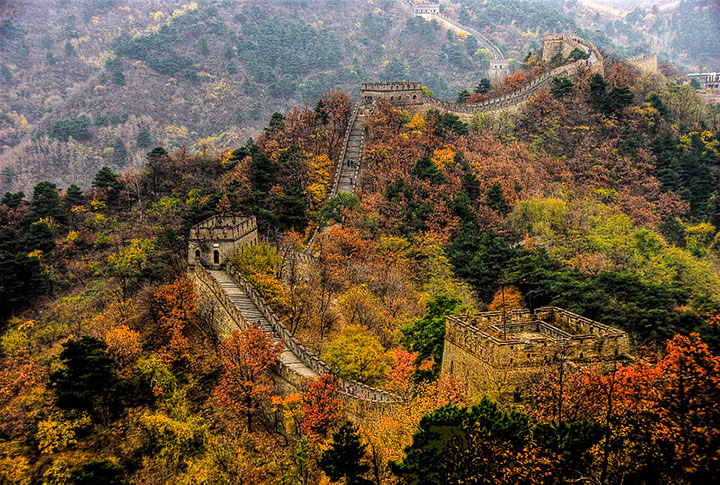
(426, 169)
(39, 236)
(446, 123)
(88, 381)
(426, 335)
(76, 128)
(483, 86)
(578, 54)
(442, 447)
(12, 199)
(45, 203)
(292, 209)
(496, 199)
(462, 96)
(21, 277)
(562, 86)
(119, 153)
(258, 259)
(334, 207)
(107, 472)
(118, 78)
(344, 457)
(106, 179)
(143, 140)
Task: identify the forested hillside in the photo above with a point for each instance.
(103, 81)
(600, 195)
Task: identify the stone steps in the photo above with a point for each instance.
(252, 314)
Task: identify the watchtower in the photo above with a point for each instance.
(214, 241)
(401, 93)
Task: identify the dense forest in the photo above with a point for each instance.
(210, 73)
(600, 195)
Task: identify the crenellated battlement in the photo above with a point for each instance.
(515, 344)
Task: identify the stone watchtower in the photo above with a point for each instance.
(400, 93)
(214, 241)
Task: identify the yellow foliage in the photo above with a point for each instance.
(14, 468)
(71, 236)
(443, 156)
(57, 433)
(37, 254)
(417, 123)
(513, 299)
(317, 192)
(13, 340)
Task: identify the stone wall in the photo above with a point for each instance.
(398, 93)
(644, 63)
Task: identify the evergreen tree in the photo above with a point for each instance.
(142, 140)
(231, 68)
(118, 77)
(12, 200)
(39, 236)
(496, 199)
(46, 203)
(119, 153)
(598, 88)
(69, 49)
(344, 457)
(463, 96)
(292, 208)
(74, 196)
(276, 125)
(21, 277)
(106, 179)
(562, 86)
(483, 86)
(99, 471)
(88, 381)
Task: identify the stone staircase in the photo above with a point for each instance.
(351, 162)
(252, 314)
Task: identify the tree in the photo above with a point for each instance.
(358, 355)
(177, 309)
(322, 406)
(480, 444)
(247, 359)
(335, 207)
(143, 140)
(483, 86)
(426, 335)
(292, 208)
(39, 236)
(45, 203)
(119, 153)
(578, 54)
(562, 86)
(344, 457)
(12, 199)
(106, 179)
(88, 381)
(462, 96)
(74, 196)
(132, 263)
(496, 199)
(107, 472)
(508, 298)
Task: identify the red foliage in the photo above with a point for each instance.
(321, 406)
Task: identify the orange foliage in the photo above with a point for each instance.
(247, 359)
(322, 406)
(177, 308)
(513, 299)
(125, 346)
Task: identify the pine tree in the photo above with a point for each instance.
(73, 197)
(119, 153)
(143, 138)
(463, 96)
(496, 199)
(483, 86)
(344, 457)
(105, 178)
(46, 203)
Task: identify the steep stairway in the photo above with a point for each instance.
(252, 314)
(351, 162)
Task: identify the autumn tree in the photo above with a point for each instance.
(507, 298)
(322, 406)
(358, 355)
(247, 358)
(132, 263)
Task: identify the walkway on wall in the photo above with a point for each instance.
(252, 314)
(245, 306)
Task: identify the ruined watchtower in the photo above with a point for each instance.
(214, 241)
(496, 348)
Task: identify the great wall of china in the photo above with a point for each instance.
(236, 304)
